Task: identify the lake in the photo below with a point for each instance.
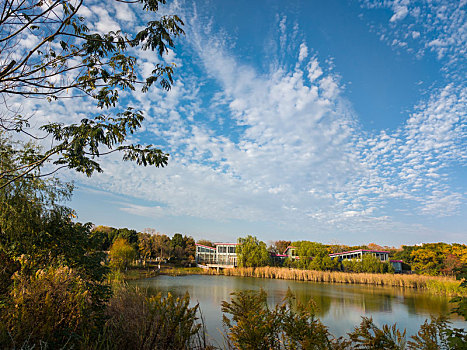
(340, 305)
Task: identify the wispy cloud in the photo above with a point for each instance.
(284, 146)
(421, 26)
(293, 153)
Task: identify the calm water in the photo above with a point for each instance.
(340, 306)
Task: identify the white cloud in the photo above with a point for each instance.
(280, 146)
(400, 12)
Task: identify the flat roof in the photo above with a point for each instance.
(360, 250)
(205, 246)
(226, 243)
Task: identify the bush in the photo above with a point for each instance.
(138, 321)
(53, 306)
(253, 326)
(369, 264)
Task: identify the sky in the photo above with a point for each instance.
(333, 121)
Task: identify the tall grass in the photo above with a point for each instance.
(443, 285)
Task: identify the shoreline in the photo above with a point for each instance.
(434, 284)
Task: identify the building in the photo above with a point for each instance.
(358, 254)
(397, 265)
(226, 253)
(291, 252)
(205, 255)
(222, 255)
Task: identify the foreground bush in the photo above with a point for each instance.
(253, 325)
(138, 321)
(53, 306)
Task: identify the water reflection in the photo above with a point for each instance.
(340, 306)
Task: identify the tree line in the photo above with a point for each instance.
(428, 259)
(144, 247)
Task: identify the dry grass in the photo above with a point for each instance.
(443, 285)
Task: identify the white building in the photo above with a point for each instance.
(223, 255)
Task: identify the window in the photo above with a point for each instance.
(232, 250)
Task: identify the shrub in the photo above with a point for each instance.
(53, 306)
(138, 321)
(253, 326)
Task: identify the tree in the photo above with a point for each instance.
(281, 246)
(121, 254)
(35, 227)
(206, 243)
(145, 246)
(162, 246)
(67, 61)
(252, 253)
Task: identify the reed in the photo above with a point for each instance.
(437, 284)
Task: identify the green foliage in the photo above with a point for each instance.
(53, 306)
(68, 59)
(254, 326)
(252, 253)
(369, 336)
(323, 262)
(461, 307)
(438, 335)
(251, 324)
(369, 264)
(34, 226)
(138, 321)
(434, 258)
(121, 254)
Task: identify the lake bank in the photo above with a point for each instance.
(434, 284)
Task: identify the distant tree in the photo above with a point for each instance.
(374, 246)
(121, 254)
(281, 246)
(452, 264)
(322, 262)
(206, 243)
(429, 259)
(252, 253)
(162, 246)
(190, 248)
(145, 246)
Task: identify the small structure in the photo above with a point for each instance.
(397, 265)
(224, 255)
(291, 252)
(358, 254)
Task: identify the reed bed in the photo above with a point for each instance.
(437, 284)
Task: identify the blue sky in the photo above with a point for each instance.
(332, 121)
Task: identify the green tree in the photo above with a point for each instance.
(121, 254)
(252, 253)
(162, 246)
(36, 227)
(68, 60)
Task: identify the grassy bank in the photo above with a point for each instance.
(132, 274)
(181, 271)
(441, 285)
(136, 273)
